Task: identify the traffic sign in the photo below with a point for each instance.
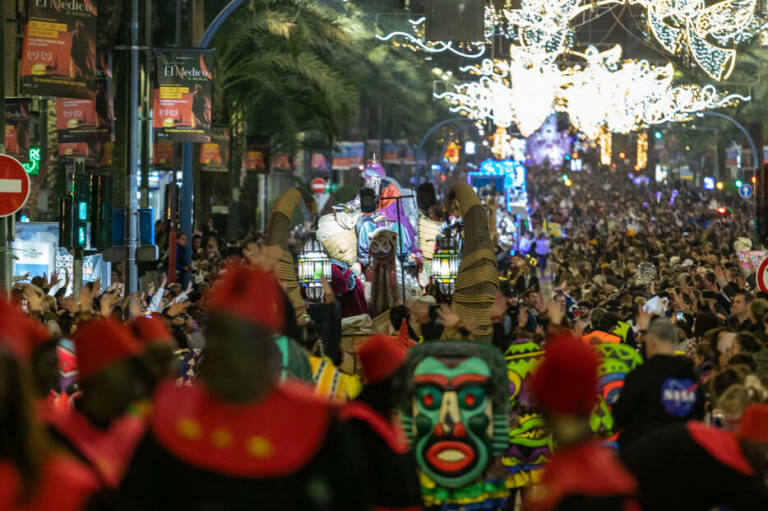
(14, 185)
(318, 185)
(762, 276)
(745, 191)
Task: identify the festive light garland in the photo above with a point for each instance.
(686, 27)
(605, 94)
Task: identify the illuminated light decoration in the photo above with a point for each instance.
(687, 27)
(508, 178)
(314, 266)
(605, 94)
(416, 41)
(709, 183)
(33, 167)
(452, 153)
(642, 150)
(445, 264)
(501, 148)
(520, 91)
(605, 141)
(622, 155)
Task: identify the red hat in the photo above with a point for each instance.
(19, 333)
(252, 294)
(150, 329)
(380, 356)
(566, 381)
(754, 424)
(100, 343)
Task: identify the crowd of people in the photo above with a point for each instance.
(210, 392)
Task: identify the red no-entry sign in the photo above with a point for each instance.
(14, 185)
(762, 276)
(318, 185)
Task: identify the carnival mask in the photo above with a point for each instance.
(458, 417)
(617, 360)
(383, 245)
(529, 437)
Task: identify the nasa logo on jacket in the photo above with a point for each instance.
(678, 396)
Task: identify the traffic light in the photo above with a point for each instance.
(66, 221)
(739, 183)
(101, 211)
(657, 135)
(81, 200)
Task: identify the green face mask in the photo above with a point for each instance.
(457, 421)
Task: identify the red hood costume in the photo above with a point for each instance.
(389, 465)
(585, 474)
(202, 452)
(107, 451)
(98, 345)
(63, 484)
(688, 467)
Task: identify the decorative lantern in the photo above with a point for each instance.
(314, 267)
(445, 264)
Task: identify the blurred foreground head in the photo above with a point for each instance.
(565, 386)
(241, 360)
(111, 371)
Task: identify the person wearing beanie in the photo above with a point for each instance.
(390, 465)
(101, 428)
(236, 438)
(583, 473)
(33, 477)
(661, 391)
(694, 467)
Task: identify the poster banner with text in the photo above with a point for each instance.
(182, 102)
(96, 154)
(17, 132)
(257, 154)
(282, 162)
(164, 155)
(59, 50)
(214, 155)
(349, 154)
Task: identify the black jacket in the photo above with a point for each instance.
(688, 467)
(664, 390)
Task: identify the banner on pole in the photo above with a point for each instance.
(214, 155)
(349, 154)
(257, 154)
(17, 132)
(182, 102)
(96, 154)
(59, 50)
(164, 155)
(282, 162)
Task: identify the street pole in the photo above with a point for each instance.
(755, 162)
(131, 217)
(5, 253)
(188, 185)
(146, 107)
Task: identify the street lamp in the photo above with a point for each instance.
(445, 264)
(314, 267)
